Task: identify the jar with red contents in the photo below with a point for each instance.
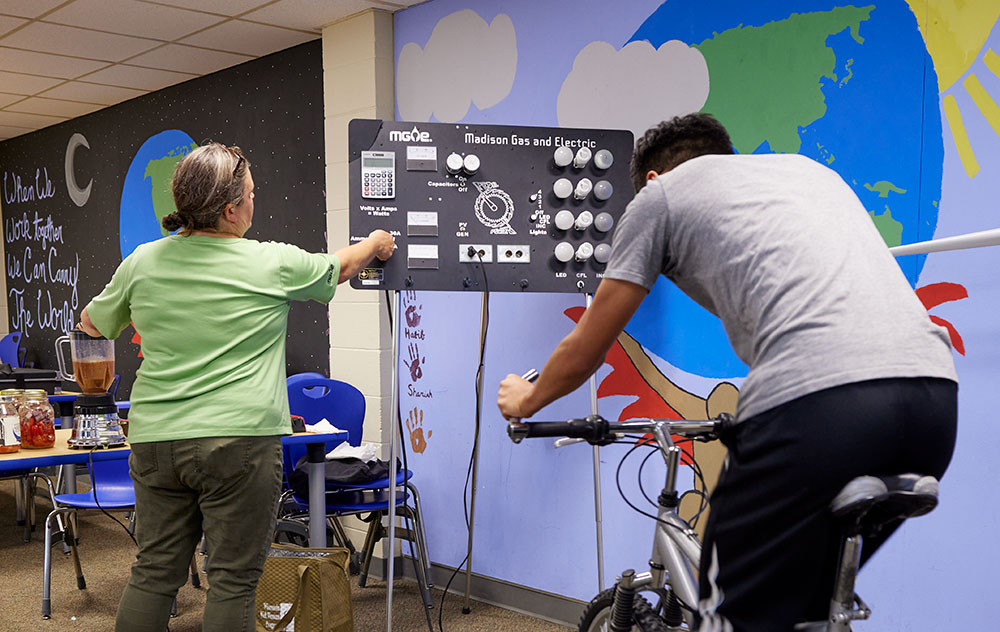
(38, 428)
(10, 423)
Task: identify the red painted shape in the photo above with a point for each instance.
(937, 293)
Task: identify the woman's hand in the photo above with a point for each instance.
(512, 396)
(384, 244)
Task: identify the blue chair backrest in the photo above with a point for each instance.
(9, 348)
(314, 397)
(112, 482)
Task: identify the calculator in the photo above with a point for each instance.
(378, 174)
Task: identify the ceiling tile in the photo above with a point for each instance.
(8, 24)
(137, 78)
(248, 38)
(310, 15)
(7, 99)
(180, 58)
(53, 107)
(92, 93)
(32, 63)
(67, 40)
(25, 84)
(32, 121)
(155, 21)
(7, 131)
(29, 8)
(225, 7)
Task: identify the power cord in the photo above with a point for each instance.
(93, 485)
(475, 443)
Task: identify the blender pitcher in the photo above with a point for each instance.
(93, 361)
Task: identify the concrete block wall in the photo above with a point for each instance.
(358, 83)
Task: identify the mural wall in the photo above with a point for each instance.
(80, 196)
(900, 98)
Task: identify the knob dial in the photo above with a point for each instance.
(564, 251)
(453, 163)
(471, 164)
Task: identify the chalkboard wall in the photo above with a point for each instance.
(81, 195)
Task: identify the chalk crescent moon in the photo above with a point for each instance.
(78, 195)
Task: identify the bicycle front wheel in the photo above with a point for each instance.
(597, 616)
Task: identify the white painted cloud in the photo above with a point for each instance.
(465, 61)
(633, 88)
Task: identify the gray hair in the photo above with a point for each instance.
(204, 182)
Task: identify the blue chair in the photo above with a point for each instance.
(11, 351)
(111, 488)
(315, 398)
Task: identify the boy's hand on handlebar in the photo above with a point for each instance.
(514, 391)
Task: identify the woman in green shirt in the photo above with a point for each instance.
(209, 403)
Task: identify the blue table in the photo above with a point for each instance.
(62, 454)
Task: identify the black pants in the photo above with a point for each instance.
(770, 527)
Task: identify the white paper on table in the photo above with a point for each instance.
(322, 426)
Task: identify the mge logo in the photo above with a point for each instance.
(412, 136)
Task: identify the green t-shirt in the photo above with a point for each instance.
(212, 314)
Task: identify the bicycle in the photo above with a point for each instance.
(863, 507)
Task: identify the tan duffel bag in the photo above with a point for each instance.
(305, 590)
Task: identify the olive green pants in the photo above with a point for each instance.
(224, 487)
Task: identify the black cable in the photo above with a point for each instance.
(93, 485)
(475, 440)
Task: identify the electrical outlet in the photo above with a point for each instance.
(513, 254)
(481, 252)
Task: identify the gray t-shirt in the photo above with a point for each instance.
(783, 252)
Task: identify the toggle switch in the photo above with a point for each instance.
(603, 190)
(564, 251)
(603, 222)
(563, 188)
(584, 220)
(564, 220)
(582, 157)
(563, 156)
(471, 164)
(453, 163)
(585, 251)
(602, 253)
(583, 188)
(603, 159)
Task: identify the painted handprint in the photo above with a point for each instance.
(415, 426)
(411, 308)
(416, 372)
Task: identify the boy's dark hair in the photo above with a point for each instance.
(672, 142)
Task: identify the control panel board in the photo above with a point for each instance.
(487, 207)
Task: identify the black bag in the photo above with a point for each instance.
(349, 471)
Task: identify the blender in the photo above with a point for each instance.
(95, 413)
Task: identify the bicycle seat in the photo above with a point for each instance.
(868, 503)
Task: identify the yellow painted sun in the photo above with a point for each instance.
(955, 32)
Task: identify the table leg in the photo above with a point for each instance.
(316, 457)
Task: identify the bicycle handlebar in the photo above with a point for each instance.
(597, 430)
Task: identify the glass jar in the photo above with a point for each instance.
(10, 424)
(38, 428)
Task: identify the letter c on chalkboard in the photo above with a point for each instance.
(78, 195)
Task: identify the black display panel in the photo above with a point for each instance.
(477, 207)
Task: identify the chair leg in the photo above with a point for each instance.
(19, 500)
(419, 563)
(421, 533)
(195, 579)
(373, 536)
(47, 564)
(338, 530)
(70, 536)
